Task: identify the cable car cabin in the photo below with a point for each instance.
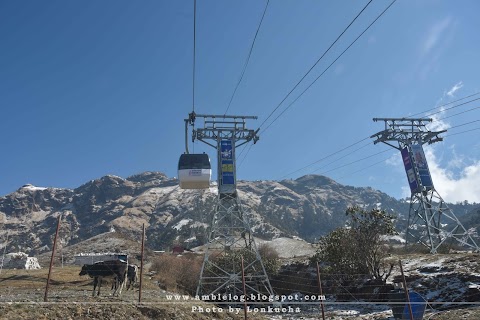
(194, 171)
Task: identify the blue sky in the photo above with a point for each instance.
(89, 88)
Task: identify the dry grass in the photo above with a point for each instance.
(22, 293)
(178, 273)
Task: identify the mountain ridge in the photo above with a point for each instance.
(307, 207)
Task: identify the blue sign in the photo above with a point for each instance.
(407, 162)
(418, 305)
(227, 166)
(226, 149)
(421, 163)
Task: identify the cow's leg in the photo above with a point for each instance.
(95, 282)
(121, 283)
(115, 281)
(114, 284)
(129, 283)
(99, 285)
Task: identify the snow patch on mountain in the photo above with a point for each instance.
(181, 224)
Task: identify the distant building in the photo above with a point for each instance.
(91, 258)
(178, 250)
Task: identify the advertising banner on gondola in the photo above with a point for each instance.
(421, 162)
(226, 157)
(407, 162)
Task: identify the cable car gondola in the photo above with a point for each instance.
(194, 171)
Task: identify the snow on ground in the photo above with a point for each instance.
(181, 224)
(397, 238)
(33, 188)
(289, 248)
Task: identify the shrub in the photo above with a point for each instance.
(358, 248)
(178, 273)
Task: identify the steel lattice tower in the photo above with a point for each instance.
(430, 221)
(230, 238)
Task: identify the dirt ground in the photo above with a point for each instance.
(70, 297)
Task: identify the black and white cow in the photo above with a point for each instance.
(131, 279)
(132, 275)
(106, 269)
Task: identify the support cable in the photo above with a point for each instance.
(342, 157)
(463, 124)
(353, 162)
(454, 134)
(456, 114)
(355, 143)
(248, 59)
(326, 157)
(326, 69)
(194, 52)
(365, 168)
(446, 104)
(312, 67)
(448, 135)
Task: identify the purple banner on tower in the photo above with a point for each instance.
(226, 156)
(420, 161)
(407, 162)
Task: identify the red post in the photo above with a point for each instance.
(244, 292)
(406, 291)
(141, 264)
(321, 292)
(45, 298)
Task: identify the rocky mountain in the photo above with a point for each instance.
(307, 207)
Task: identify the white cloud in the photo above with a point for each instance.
(465, 185)
(395, 161)
(406, 193)
(435, 34)
(437, 124)
(438, 37)
(455, 88)
(452, 185)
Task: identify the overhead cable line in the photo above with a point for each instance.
(365, 168)
(326, 157)
(446, 104)
(343, 157)
(449, 108)
(456, 114)
(448, 135)
(194, 51)
(383, 160)
(313, 66)
(463, 124)
(248, 59)
(332, 154)
(383, 12)
(326, 69)
(454, 134)
(353, 162)
(246, 154)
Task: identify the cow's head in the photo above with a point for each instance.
(84, 270)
